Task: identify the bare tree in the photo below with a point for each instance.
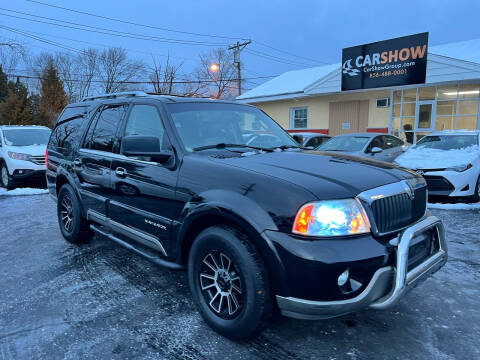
(116, 70)
(12, 53)
(68, 68)
(88, 67)
(222, 81)
(163, 78)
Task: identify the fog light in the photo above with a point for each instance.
(343, 278)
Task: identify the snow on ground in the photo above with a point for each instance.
(22, 191)
(425, 158)
(457, 206)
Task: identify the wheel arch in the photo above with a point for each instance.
(206, 215)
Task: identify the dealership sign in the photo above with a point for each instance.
(394, 62)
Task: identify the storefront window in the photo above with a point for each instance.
(446, 108)
(445, 123)
(409, 95)
(396, 110)
(426, 93)
(468, 91)
(467, 107)
(397, 97)
(448, 92)
(439, 108)
(467, 122)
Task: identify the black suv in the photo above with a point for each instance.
(260, 224)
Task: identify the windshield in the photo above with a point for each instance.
(204, 124)
(447, 142)
(345, 143)
(26, 137)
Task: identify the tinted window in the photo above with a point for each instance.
(392, 141)
(103, 129)
(144, 120)
(203, 124)
(71, 112)
(314, 142)
(67, 133)
(378, 142)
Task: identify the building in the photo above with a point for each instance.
(312, 98)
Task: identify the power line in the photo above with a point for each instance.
(273, 58)
(134, 23)
(287, 52)
(171, 30)
(105, 31)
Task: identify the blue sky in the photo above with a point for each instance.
(314, 30)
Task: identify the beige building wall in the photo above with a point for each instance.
(318, 108)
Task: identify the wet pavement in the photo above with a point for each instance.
(59, 300)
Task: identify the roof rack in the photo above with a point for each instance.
(115, 95)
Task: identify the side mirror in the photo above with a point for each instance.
(145, 146)
(376, 150)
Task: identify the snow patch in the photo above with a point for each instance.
(422, 158)
(457, 206)
(22, 191)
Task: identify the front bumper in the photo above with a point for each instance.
(388, 283)
(30, 176)
(452, 183)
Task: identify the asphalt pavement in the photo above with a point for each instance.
(99, 301)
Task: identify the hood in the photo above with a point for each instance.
(34, 150)
(421, 158)
(326, 175)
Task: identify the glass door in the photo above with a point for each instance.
(424, 118)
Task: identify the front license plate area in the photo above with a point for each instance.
(421, 247)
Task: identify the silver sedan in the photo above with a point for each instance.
(376, 146)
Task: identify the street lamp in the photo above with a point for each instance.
(214, 67)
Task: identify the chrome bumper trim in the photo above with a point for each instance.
(387, 284)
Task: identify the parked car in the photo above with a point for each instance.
(258, 227)
(371, 145)
(310, 139)
(22, 155)
(449, 161)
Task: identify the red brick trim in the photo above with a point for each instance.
(320, 131)
(379, 130)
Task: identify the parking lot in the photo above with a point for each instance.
(100, 301)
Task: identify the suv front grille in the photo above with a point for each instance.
(39, 160)
(391, 213)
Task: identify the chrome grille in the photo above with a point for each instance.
(39, 160)
(392, 207)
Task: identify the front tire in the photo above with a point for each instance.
(228, 282)
(73, 226)
(5, 177)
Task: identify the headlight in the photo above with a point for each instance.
(18, 156)
(331, 218)
(459, 168)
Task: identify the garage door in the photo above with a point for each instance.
(348, 117)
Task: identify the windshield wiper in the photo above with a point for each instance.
(226, 145)
(285, 147)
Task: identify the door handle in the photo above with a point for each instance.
(77, 163)
(120, 172)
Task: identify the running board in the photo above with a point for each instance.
(157, 260)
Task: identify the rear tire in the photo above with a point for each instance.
(5, 177)
(229, 283)
(73, 226)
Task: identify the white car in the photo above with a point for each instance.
(449, 161)
(22, 155)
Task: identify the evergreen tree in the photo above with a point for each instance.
(3, 85)
(52, 96)
(16, 108)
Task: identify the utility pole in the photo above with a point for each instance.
(237, 48)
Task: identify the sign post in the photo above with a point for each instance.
(394, 62)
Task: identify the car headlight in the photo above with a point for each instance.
(331, 218)
(18, 156)
(459, 168)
